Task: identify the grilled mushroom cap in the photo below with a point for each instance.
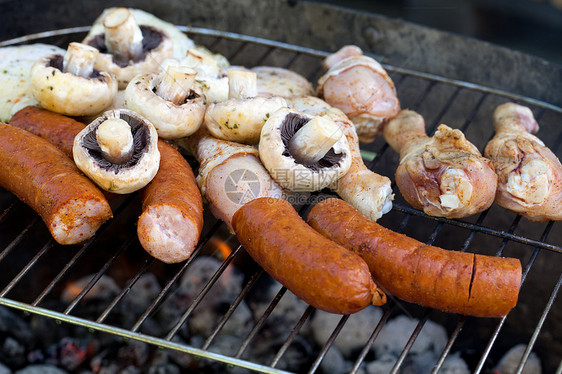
(241, 117)
(70, 85)
(303, 153)
(127, 48)
(118, 151)
(169, 100)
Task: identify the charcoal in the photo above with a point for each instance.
(41, 369)
(382, 365)
(164, 368)
(454, 364)
(4, 369)
(15, 338)
(354, 334)
(395, 334)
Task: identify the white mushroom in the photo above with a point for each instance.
(180, 41)
(211, 72)
(70, 85)
(303, 153)
(169, 100)
(275, 81)
(118, 151)
(128, 48)
(241, 117)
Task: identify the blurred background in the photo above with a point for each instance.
(530, 26)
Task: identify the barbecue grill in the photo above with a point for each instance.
(432, 76)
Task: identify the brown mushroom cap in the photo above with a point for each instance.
(130, 175)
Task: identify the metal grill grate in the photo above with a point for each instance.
(27, 246)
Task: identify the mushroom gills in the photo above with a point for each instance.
(140, 137)
(151, 38)
(293, 123)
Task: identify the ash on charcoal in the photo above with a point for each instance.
(69, 353)
(383, 365)
(15, 339)
(4, 369)
(208, 313)
(510, 362)
(41, 369)
(454, 364)
(104, 289)
(354, 334)
(396, 333)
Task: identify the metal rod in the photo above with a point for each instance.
(372, 338)
(444, 110)
(126, 290)
(410, 342)
(18, 238)
(483, 229)
(203, 292)
(452, 339)
(97, 276)
(85, 247)
(233, 307)
(161, 343)
(502, 320)
(291, 336)
(260, 322)
(176, 276)
(328, 344)
(535, 335)
(24, 271)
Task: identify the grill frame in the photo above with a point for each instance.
(379, 148)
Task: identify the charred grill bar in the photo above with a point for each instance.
(27, 286)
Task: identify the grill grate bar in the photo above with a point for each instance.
(203, 292)
(450, 342)
(130, 284)
(422, 321)
(535, 335)
(446, 107)
(410, 342)
(233, 307)
(373, 337)
(8, 210)
(500, 324)
(24, 271)
(18, 239)
(260, 322)
(473, 112)
(482, 229)
(98, 275)
(174, 279)
(84, 248)
(291, 336)
(328, 344)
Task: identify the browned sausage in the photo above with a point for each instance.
(172, 217)
(43, 177)
(320, 272)
(456, 282)
(59, 130)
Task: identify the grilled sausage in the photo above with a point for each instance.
(320, 272)
(172, 218)
(456, 282)
(43, 177)
(59, 130)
